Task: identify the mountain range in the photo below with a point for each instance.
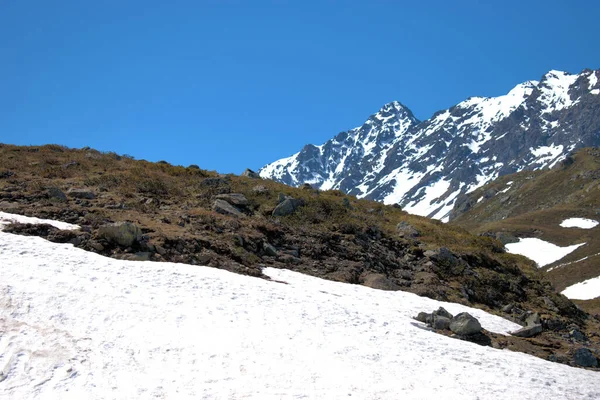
(425, 166)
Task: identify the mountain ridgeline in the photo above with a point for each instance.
(424, 166)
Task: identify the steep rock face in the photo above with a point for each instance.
(425, 166)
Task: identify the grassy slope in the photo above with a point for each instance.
(535, 205)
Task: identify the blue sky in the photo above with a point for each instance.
(235, 84)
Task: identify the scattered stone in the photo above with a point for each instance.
(528, 331)
(424, 317)
(124, 234)
(260, 189)
(407, 230)
(443, 313)
(55, 193)
(270, 250)
(251, 174)
(585, 358)
(378, 281)
(235, 199)
(287, 207)
(223, 207)
(81, 194)
(440, 322)
(508, 308)
(443, 256)
(465, 324)
(533, 319)
(213, 182)
(576, 334)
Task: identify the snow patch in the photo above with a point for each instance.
(583, 223)
(7, 218)
(586, 290)
(540, 251)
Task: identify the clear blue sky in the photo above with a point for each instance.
(235, 84)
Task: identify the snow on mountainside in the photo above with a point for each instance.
(77, 325)
(425, 166)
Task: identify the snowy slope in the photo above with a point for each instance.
(77, 325)
(426, 166)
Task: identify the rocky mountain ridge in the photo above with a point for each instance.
(424, 166)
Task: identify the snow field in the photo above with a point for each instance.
(78, 325)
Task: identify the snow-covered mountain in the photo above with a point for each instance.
(424, 166)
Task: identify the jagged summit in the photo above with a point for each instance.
(425, 165)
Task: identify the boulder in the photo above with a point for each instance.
(287, 207)
(260, 189)
(465, 324)
(223, 207)
(528, 331)
(424, 317)
(585, 358)
(82, 194)
(55, 193)
(442, 256)
(124, 234)
(533, 319)
(379, 281)
(269, 249)
(440, 323)
(236, 199)
(443, 313)
(407, 230)
(576, 334)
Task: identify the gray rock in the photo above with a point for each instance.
(577, 335)
(251, 174)
(81, 194)
(585, 358)
(124, 234)
(287, 207)
(440, 322)
(270, 250)
(443, 313)
(508, 308)
(236, 199)
(223, 207)
(260, 189)
(532, 320)
(407, 230)
(55, 193)
(424, 317)
(528, 331)
(378, 281)
(465, 324)
(442, 256)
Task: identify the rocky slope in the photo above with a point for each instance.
(137, 210)
(424, 166)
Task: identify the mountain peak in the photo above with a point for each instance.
(425, 166)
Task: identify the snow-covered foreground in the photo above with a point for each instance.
(540, 251)
(586, 290)
(78, 325)
(583, 223)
